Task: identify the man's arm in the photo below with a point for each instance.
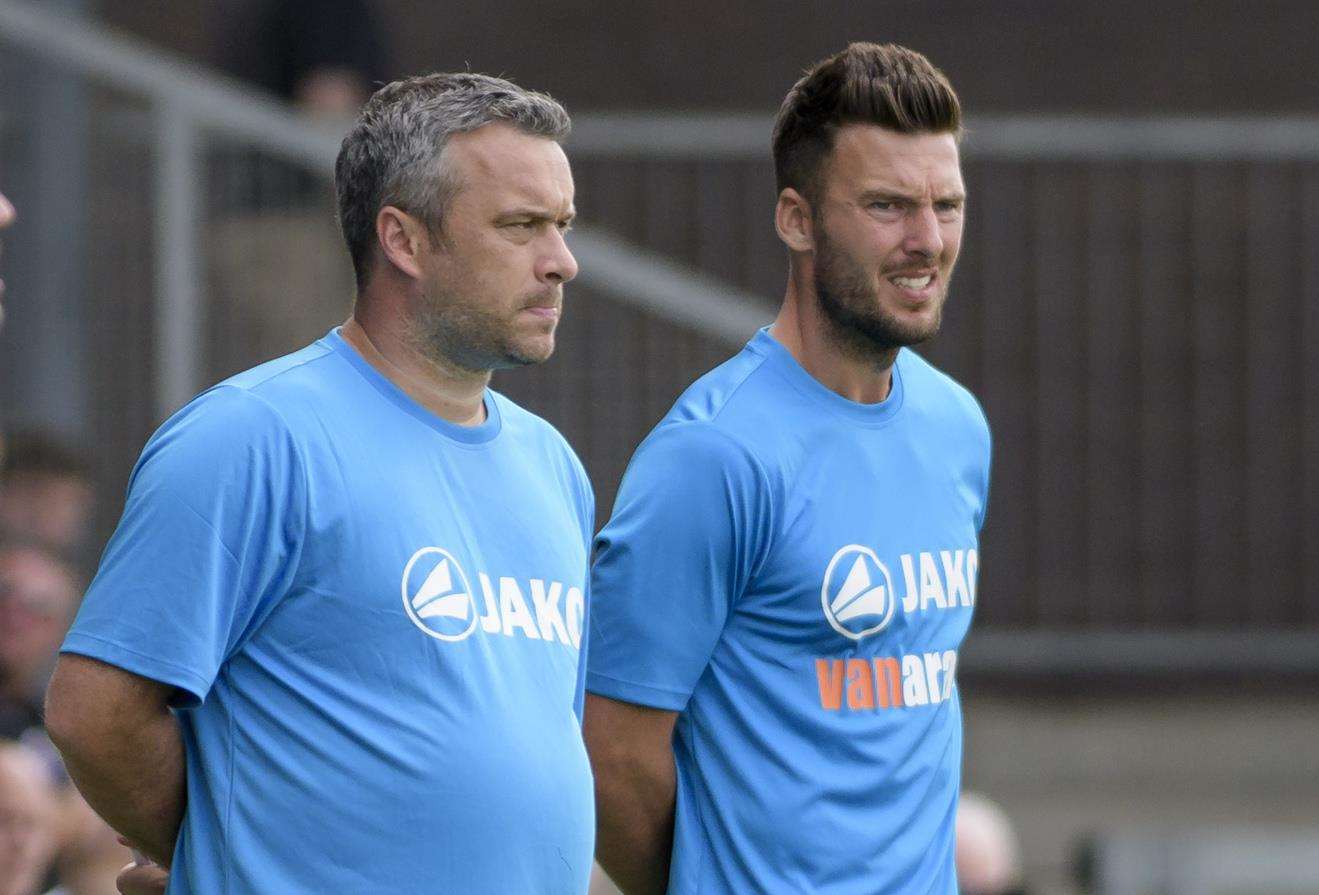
(636, 785)
(122, 747)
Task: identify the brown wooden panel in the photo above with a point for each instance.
(716, 218)
(1163, 411)
(1006, 316)
(1110, 328)
(1273, 522)
(1308, 409)
(1055, 241)
(1217, 322)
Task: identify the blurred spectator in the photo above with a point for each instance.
(39, 593)
(273, 253)
(28, 821)
(988, 856)
(45, 491)
(325, 56)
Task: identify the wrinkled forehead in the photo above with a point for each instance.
(866, 157)
(502, 164)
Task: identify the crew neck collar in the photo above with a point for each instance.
(481, 434)
(780, 359)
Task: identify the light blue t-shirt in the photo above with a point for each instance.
(374, 619)
(793, 573)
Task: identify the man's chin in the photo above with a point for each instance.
(529, 354)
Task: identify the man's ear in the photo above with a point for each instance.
(402, 240)
(793, 221)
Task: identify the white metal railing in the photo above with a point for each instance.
(187, 104)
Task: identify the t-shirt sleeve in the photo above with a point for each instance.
(987, 454)
(585, 496)
(691, 519)
(207, 543)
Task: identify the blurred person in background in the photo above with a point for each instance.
(988, 853)
(781, 592)
(271, 244)
(333, 645)
(324, 56)
(39, 592)
(46, 491)
(28, 821)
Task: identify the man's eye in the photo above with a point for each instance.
(564, 226)
(883, 205)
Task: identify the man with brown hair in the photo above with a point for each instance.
(791, 564)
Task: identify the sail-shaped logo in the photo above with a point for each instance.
(437, 595)
(857, 595)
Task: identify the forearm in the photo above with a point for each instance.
(136, 782)
(634, 824)
(123, 748)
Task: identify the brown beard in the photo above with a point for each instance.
(849, 301)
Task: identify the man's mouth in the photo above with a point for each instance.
(916, 286)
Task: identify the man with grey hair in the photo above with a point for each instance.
(334, 644)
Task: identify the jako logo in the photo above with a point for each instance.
(438, 596)
(857, 594)
(440, 600)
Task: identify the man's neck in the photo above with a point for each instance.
(447, 391)
(808, 337)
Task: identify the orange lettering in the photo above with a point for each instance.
(860, 686)
(887, 671)
(829, 672)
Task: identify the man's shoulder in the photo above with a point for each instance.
(933, 391)
(536, 433)
(729, 405)
(250, 408)
(290, 379)
(521, 423)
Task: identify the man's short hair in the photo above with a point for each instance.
(393, 153)
(882, 84)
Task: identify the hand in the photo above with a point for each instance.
(142, 879)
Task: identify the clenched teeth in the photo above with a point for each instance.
(912, 282)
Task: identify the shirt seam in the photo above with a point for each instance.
(302, 469)
(75, 636)
(762, 474)
(839, 412)
(450, 440)
(618, 680)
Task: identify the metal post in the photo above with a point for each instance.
(178, 346)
